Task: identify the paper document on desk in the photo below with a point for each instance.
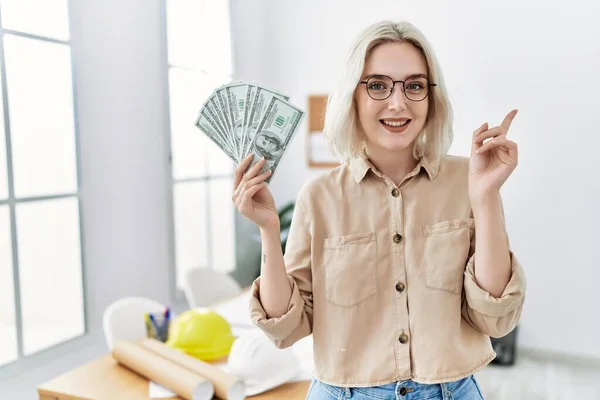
(156, 391)
(236, 311)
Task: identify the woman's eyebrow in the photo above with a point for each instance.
(416, 75)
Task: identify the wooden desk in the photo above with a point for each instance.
(105, 379)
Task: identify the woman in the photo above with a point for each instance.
(381, 264)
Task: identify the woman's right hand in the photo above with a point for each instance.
(252, 197)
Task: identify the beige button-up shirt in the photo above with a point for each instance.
(383, 278)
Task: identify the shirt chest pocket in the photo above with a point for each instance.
(446, 252)
(350, 268)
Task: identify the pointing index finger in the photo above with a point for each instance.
(509, 119)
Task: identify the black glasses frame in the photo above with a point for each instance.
(394, 86)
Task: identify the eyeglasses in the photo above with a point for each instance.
(381, 87)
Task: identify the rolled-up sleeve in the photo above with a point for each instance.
(296, 323)
(495, 317)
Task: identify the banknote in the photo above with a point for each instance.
(259, 104)
(236, 101)
(221, 98)
(274, 132)
(250, 96)
(215, 117)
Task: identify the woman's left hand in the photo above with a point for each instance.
(492, 162)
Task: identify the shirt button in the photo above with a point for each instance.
(395, 192)
(397, 238)
(400, 287)
(403, 338)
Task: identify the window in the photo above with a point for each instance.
(199, 61)
(41, 285)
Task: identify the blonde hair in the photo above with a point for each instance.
(341, 127)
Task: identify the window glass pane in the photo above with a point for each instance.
(50, 275)
(48, 18)
(199, 35)
(3, 161)
(3, 168)
(222, 233)
(189, 203)
(8, 329)
(40, 99)
(219, 162)
(188, 91)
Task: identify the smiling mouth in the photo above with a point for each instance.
(395, 123)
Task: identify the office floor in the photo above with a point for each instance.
(535, 377)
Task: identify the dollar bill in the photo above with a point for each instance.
(215, 117)
(203, 122)
(259, 105)
(248, 109)
(236, 100)
(221, 98)
(274, 132)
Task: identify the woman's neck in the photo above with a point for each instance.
(393, 164)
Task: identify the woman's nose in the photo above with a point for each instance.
(397, 100)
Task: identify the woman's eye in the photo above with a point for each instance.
(415, 86)
(377, 86)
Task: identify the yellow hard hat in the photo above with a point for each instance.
(201, 333)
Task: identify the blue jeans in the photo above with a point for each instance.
(463, 389)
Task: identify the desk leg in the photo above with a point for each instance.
(46, 397)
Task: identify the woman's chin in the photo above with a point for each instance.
(396, 144)
(392, 142)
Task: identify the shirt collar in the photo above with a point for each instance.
(360, 165)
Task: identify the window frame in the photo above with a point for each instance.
(176, 293)
(48, 354)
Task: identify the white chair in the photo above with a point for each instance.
(203, 287)
(124, 319)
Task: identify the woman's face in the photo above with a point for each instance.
(394, 123)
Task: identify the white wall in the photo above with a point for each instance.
(540, 58)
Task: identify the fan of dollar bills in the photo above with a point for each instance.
(243, 118)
